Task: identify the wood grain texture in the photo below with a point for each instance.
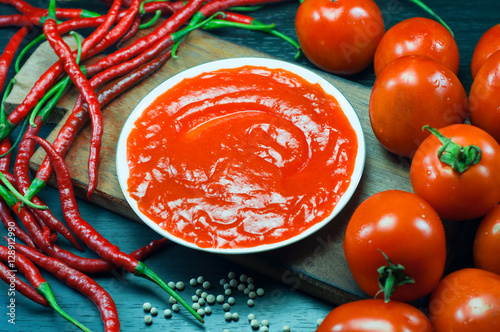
(28, 75)
(316, 264)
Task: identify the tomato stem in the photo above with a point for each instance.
(433, 14)
(460, 158)
(391, 277)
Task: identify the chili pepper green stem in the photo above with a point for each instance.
(36, 186)
(18, 138)
(151, 21)
(179, 35)
(18, 194)
(141, 6)
(57, 90)
(216, 23)
(8, 89)
(88, 14)
(391, 277)
(45, 290)
(143, 271)
(460, 158)
(282, 36)
(25, 50)
(52, 9)
(433, 14)
(245, 8)
(7, 196)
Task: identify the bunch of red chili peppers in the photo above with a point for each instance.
(126, 66)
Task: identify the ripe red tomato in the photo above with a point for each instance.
(408, 230)
(484, 97)
(466, 300)
(487, 242)
(488, 44)
(376, 316)
(339, 36)
(410, 92)
(456, 196)
(417, 35)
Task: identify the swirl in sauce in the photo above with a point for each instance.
(237, 158)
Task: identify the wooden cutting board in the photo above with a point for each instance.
(315, 265)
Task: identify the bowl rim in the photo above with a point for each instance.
(305, 73)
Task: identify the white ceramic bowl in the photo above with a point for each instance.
(121, 153)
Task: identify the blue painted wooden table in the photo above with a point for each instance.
(281, 303)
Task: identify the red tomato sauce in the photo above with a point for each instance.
(238, 158)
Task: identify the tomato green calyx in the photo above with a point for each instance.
(460, 158)
(391, 277)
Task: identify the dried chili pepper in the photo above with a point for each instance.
(8, 53)
(86, 233)
(26, 267)
(79, 281)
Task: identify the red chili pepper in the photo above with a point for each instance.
(26, 267)
(119, 30)
(8, 53)
(238, 18)
(134, 27)
(164, 6)
(48, 78)
(9, 277)
(21, 6)
(18, 20)
(21, 172)
(12, 226)
(86, 233)
(5, 146)
(79, 281)
(96, 36)
(215, 6)
(79, 117)
(73, 69)
(49, 235)
(8, 221)
(63, 13)
(86, 265)
(142, 44)
(82, 23)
